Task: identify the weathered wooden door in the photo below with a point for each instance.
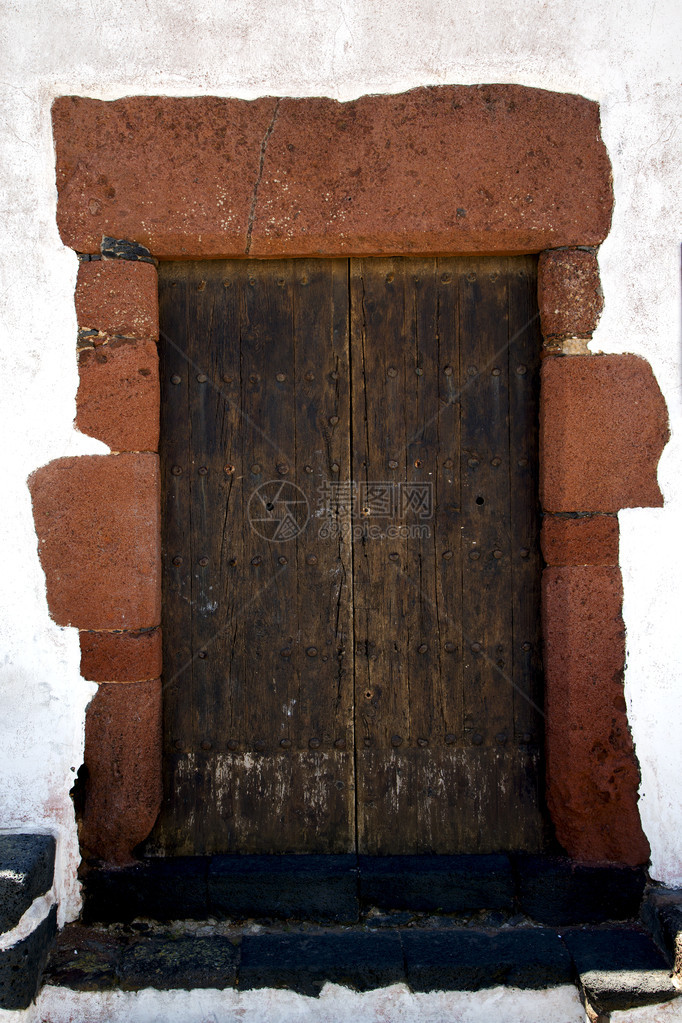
(351, 567)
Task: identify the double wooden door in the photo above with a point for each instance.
(350, 556)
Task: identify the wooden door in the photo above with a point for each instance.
(351, 567)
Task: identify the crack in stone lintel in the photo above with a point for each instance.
(254, 201)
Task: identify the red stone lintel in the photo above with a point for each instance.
(592, 773)
(451, 169)
(603, 426)
(98, 524)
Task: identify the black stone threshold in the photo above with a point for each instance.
(344, 889)
(615, 967)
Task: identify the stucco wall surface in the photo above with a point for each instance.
(625, 55)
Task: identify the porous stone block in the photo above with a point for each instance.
(187, 962)
(123, 760)
(558, 891)
(121, 656)
(603, 426)
(592, 773)
(569, 293)
(118, 399)
(118, 297)
(97, 519)
(588, 540)
(494, 168)
(159, 888)
(26, 872)
(449, 884)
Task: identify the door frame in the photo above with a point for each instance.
(450, 170)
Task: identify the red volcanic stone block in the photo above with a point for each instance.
(569, 293)
(589, 540)
(494, 168)
(97, 519)
(123, 760)
(118, 296)
(592, 773)
(118, 398)
(121, 656)
(603, 426)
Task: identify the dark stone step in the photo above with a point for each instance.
(549, 890)
(21, 966)
(619, 968)
(26, 872)
(662, 915)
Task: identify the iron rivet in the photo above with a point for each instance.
(254, 378)
(417, 463)
(471, 277)
(450, 647)
(496, 461)
(526, 646)
(282, 560)
(314, 743)
(227, 379)
(175, 379)
(311, 559)
(422, 742)
(280, 282)
(285, 651)
(523, 462)
(203, 470)
(206, 744)
(392, 371)
(203, 562)
(177, 470)
(366, 511)
(525, 553)
(333, 420)
(335, 467)
(500, 663)
(448, 463)
(304, 280)
(496, 372)
(477, 738)
(202, 655)
(201, 378)
(281, 377)
(312, 651)
(232, 561)
(446, 278)
(474, 555)
(476, 648)
(422, 648)
(448, 371)
(367, 741)
(257, 560)
(259, 745)
(393, 464)
(447, 555)
(396, 740)
(526, 737)
(450, 738)
(255, 469)
(497, 554)
(178, 743)
(501, 738)
(340, 743)
(393, 556)
(229, 469)
(252, 281)
(308, 468)
(232, 744)
(309, 377)
(334, 375)
(472, 371)
(419, 371)
(521, 370)
(282, 469)
(473, 462)
(389, 278)
(325, 657)
(285, 743)
(177, 560)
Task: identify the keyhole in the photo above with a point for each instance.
(270, 506)
(480, 500)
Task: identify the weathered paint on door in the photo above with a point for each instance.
(351, 567)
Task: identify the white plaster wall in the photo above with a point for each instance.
(623, 53)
